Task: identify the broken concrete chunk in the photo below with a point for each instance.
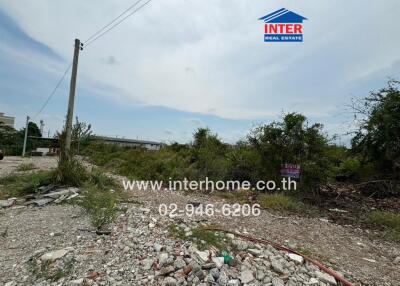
(296, 258)
(326, 278)
(7, 203)
(254, 251)
(277, 282)
(54, 255)
(202, 255)
(41, 202)
(218, 261)
(246, 276)
(77, 282)
(61, 192)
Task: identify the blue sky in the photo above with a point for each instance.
(179, 65)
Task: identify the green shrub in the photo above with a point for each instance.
(71, 172)
(100, 204)
(100, 180)
(244, 163)
(390, 221)
(176, 231)
(280, 202)
(387, 219)
(25, 183)
(203, 238)
(206, 238)
(26, 167)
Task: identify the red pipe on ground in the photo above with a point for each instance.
(317, 263)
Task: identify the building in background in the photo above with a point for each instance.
(122, 142)
(7, 120)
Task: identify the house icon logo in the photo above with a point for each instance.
(283, 26)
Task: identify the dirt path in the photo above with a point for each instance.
(10, 163)
(349, 250)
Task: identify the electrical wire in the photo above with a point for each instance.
(112, 22)
(92, 39)
(116, 24)
(53, 92)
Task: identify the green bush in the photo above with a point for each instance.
(280, 202)
(244, 163)
(349, 168)
(101, 204)
(26, 183)
(138, 163)
(377, 139)
(26, 167)
(390, 221)
(100, 180)
(387, 219)
(71, 172)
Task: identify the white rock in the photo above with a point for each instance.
(179, 263)
(77, 282)
(126, 249)
(254, 251)
(313, 282)
(54, 255)
(202, 255)
(169, 281)
(7, 203)
(231, 236)
(277, 282)
(246, 276)
(234, 282)
(157, 247)
(326, 278)
(260, 275)
(147, 264)
(223, 278)
(277, 266)
(219, 261)
(296, 258)
(240, 244)
(397, 260)
(163, 258)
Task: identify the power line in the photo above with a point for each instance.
(112, 22)
(93, 38)
(53, 92)
(116, 24)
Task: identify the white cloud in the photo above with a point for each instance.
(209, 57)
(194, 121)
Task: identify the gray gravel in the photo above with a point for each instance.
(60, 240)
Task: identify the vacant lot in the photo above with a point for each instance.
(119, 257)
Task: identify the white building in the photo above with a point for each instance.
(7, 120)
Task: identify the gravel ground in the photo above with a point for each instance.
(346, 249)
(10, 163)
(131, 256)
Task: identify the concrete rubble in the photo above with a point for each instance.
(141, 255)
(43, 196)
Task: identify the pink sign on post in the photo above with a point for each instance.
(290, 171)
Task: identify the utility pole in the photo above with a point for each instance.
(70, 112)
(26, 135)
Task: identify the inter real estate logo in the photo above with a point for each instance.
(283, 26)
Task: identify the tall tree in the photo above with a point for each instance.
(378, 135)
